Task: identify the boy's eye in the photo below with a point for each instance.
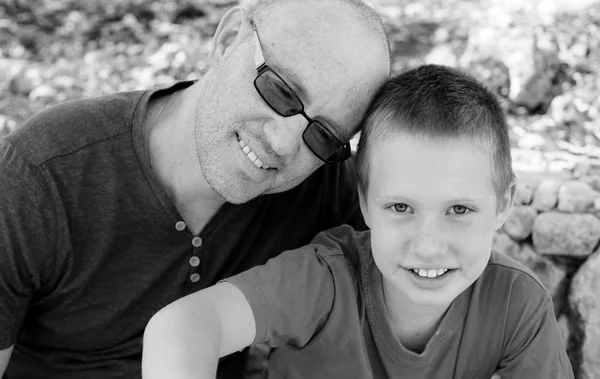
(400, 208)
(459, 209)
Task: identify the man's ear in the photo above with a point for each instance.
(230, 30)
(505, 205)
(363, 207)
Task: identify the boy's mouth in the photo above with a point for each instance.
(431, 273)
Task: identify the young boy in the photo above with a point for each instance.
(420, 295)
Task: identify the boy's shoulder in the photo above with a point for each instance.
(506, 268)
(344, 241)
(506, 284)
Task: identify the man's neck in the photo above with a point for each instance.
(174, 161)
(412, 324)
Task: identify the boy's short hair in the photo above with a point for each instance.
(438, 102)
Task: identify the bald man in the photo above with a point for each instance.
(113, 207)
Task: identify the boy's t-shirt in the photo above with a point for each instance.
(322, 307)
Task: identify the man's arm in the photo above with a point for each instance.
(4, 358)
(187, 338)
(28, 239)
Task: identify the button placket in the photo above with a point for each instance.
(195, 277)
(180, 226)
(194, 260)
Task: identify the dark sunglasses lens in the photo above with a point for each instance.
(323, 144)
(277, 94)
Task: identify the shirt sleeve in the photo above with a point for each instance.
(533, 346)
(291, 295)
(26, 231)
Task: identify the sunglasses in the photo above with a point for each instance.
(283, 100)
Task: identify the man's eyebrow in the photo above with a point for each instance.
(337, 130)
(292, 80)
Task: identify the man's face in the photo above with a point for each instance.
(431, 206)
(315, 49)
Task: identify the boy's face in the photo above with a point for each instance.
(431, 207)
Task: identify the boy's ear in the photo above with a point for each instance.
(363, 207)
(230, 30)
(505, 205)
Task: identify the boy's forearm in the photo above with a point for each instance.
(181, 345)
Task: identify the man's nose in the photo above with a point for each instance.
(284, 134)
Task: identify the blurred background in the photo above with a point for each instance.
(540, 56)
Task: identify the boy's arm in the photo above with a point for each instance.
(534, 347)
(283, 301)
(187, 338)
(4, 358)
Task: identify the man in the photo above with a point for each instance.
(112, 208)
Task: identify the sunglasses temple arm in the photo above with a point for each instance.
(259, 59)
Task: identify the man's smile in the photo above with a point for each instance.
(251, 155)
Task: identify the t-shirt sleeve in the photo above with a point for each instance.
(27, 234)
(291, 295)
(533, 346)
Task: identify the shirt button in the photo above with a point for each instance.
(197, 241)
(194, 261)
(180, 226)
(195, 277)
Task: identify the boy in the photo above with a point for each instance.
(420, 295)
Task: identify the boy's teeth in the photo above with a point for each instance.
(431, 273)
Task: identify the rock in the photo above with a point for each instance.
(564, 111)
(21, 84)
(442, 54)
(545, 196)
(534, 141)
(551, 275)
(575, 196)
(524, 194)
(7, 125)
(564, 329)
(566, 233)
(592, 180)
(519, 223)
(533, 66)
(42, 92)
(503, 244)
(585, 302)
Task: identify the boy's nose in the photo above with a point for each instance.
(284, 134)
(427, 244)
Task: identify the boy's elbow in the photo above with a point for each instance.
(179, 341)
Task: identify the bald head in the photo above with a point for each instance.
(369, 19)
(339, 44)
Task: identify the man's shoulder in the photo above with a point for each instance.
(332, 178)
(72, 125)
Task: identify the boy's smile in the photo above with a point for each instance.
(431, 206)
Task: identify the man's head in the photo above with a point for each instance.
(435, 182)
(332, 53)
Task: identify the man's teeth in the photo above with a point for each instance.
(251, 156)
(430, 273)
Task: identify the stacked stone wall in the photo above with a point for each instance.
(554, 230)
